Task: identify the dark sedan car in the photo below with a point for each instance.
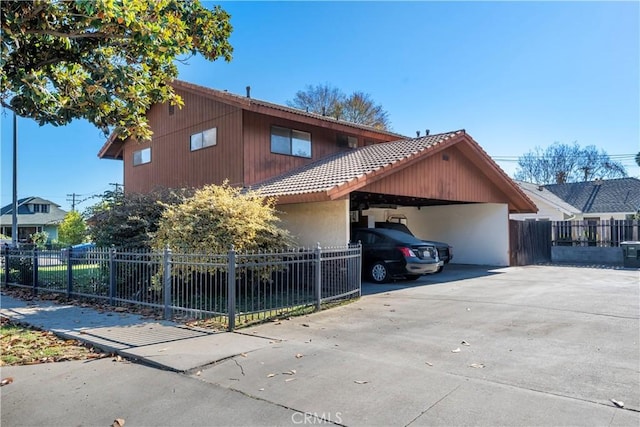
(445, 252)
(389, 254)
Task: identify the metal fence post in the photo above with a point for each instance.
(34, 265)
(166, 265)
(69, 272)
(112, 274)
(359, 269)
(231, 288)
(318, 277)
(6, 265)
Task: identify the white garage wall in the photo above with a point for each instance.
(323, 222)
(479, 233)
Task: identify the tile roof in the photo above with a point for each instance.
(341, 168)
(252, 103)
(601, 196)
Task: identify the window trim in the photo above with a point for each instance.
(291, 132)
(201, 134)
(141, 162)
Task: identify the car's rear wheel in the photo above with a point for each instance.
(379, 272)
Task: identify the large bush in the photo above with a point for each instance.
(129, 220)
(218, 217)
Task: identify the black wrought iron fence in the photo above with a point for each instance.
(604, 233)
(233, 288)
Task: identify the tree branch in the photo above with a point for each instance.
(96, 35)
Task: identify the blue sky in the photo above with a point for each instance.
(515, 75)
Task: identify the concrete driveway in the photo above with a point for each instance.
(533, 345)
(524, 346)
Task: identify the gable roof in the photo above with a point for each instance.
(601, 196)
(337, 175)
(111, 148)
(28, 218)
(536, 191)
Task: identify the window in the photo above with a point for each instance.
(346, 141)
(207, 138)
(41, 208)
(141, 157)
(289, 141)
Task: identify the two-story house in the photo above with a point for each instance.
(34, 215)
(327, 173)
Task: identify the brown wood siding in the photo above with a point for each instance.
(173, 164)
(260, 163)
(455, 179)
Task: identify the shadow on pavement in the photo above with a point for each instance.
(451, 273)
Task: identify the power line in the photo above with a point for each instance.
(73, 200)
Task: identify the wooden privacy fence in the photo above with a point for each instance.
(530, 242)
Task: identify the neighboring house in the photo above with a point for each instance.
(550, 207)
(34, 215)
(592, 200)
(328, 174)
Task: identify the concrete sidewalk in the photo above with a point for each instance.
(163, 344)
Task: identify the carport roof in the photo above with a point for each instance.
(336, 176)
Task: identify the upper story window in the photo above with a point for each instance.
(40, 208)
(290, 141)
(207, 138)
(346, 141)
(141, 157)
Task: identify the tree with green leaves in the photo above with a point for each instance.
(72, 229)
(564, 163)
(218, 217)
(102, 60)
(328, 100)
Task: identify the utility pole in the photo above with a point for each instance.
(116, 185)
(73, 200)
(14, 210)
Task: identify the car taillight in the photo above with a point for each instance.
(406, 251)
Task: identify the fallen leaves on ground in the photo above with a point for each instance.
(24, 345)
(477, 365)
(360, 382)
(299, 355)
(457, 350)
(118, 422)
(6, 381)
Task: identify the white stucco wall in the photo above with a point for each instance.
(326, 223)
(479, 233)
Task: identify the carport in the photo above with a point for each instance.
(445, 185)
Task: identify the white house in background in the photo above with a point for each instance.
(35, 214)
(550, 206)
(608, 199)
